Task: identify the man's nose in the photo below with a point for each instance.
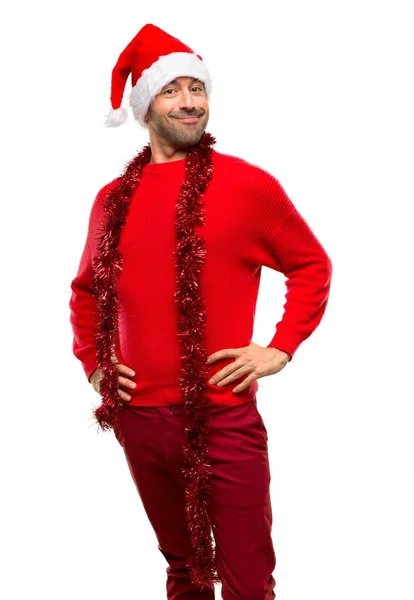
(186, 100)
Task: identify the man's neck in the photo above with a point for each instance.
(160, 156)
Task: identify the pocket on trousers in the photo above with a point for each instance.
(261, 422)
(118, 429)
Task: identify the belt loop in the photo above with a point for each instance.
(172, 409)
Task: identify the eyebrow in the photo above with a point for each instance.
(193, 80)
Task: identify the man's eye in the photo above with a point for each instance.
(194, 88)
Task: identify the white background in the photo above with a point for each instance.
(319, 94)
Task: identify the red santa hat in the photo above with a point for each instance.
(154, 58)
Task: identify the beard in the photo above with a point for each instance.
(175, 133)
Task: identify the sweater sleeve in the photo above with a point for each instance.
(288, 245)
(82, 303)
(82, 306)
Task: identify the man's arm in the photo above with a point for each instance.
(83, 304)
(288, 245)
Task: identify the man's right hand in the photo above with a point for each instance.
(96, 377)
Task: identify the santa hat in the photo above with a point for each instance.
(154, 58)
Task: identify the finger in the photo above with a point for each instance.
(235, 375)
(227, 371)
(126, 370)
(244, 384)
(124, 396)
(127, 382)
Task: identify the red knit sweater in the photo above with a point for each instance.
(250, 221)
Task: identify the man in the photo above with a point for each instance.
(162, 310)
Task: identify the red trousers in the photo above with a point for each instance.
(239, 505)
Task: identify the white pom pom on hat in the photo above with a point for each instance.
(116, 116)
(153, 58)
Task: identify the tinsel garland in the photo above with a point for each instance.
(189, 259)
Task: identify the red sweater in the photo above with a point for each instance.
(250, 221)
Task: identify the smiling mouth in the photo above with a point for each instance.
(192, 119)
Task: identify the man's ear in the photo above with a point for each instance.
(147, 116)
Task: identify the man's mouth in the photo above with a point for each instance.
(192, 119)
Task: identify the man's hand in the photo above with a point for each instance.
(97, 376)
(256, 360)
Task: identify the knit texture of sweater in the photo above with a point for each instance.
(250, 222)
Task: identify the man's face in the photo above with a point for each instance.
(168, 114)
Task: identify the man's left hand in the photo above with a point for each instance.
(256, 360)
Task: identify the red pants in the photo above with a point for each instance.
(239, 505)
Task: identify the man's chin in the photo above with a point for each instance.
(191, 137)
